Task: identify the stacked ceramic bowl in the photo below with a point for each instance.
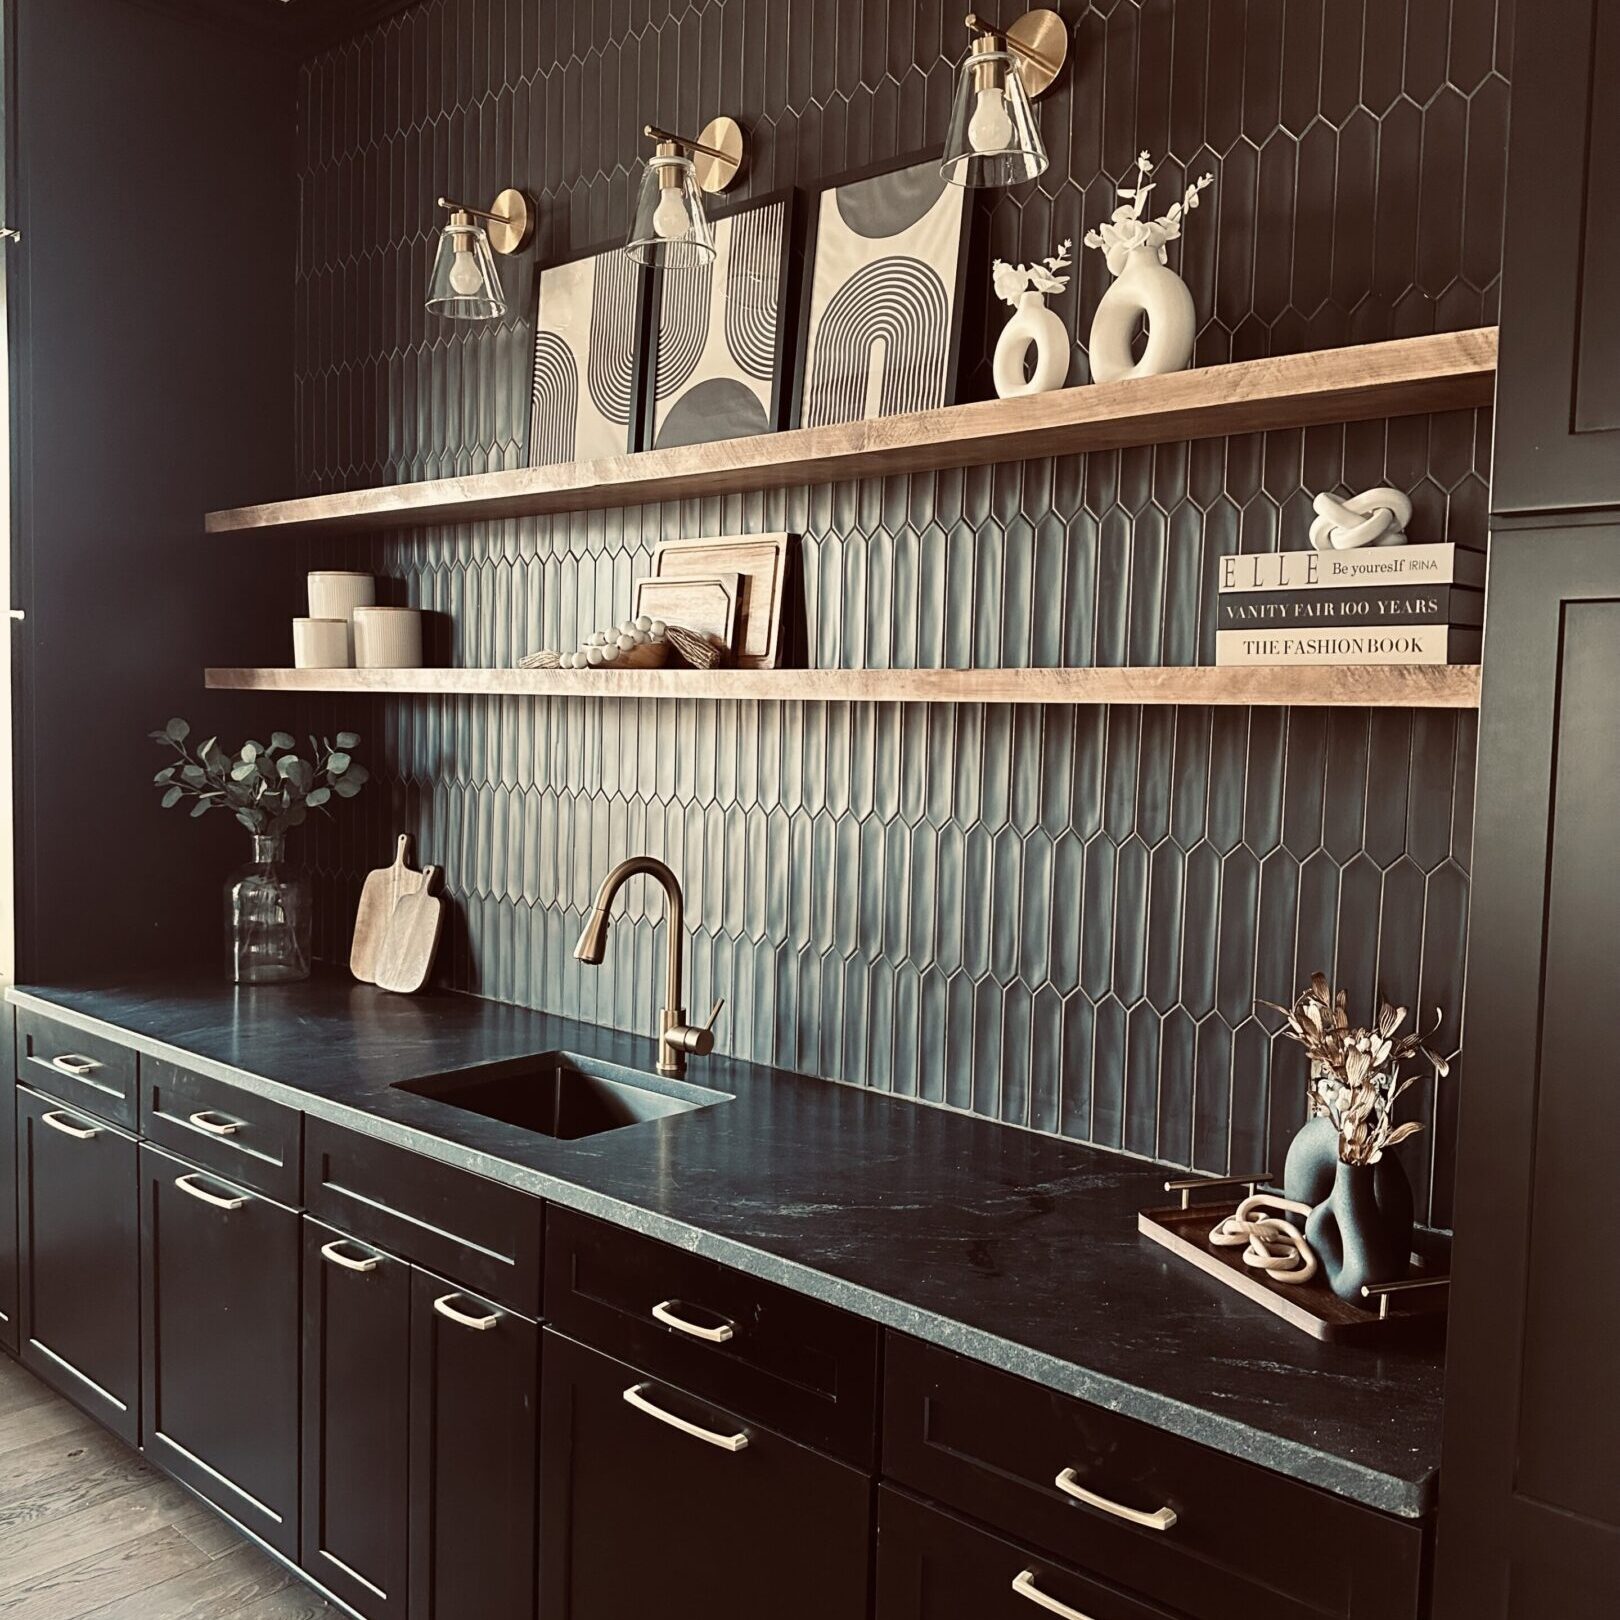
(347, 630)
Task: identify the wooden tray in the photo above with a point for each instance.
(1313, 1307)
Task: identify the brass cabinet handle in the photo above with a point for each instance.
(188, 1184)
(76, 1064)
(59, 1122)
(1024, 1585)
(214, 1122)
(1160, 1519)
(665, 1313)
(636, 1395)
(333, 1252)
(481, 1324)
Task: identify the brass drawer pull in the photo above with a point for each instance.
(1024, 1585)
(481, 1324)
(333, 1252)
(1161, 1519)
(59, 1122)
(636, 1395)
(215, 1123)
(188, 1184)
(76, 1064)
(665, 1313)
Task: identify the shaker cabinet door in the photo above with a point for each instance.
(1558, 382)
(8, 1214)
(356, 1423)
(475, 1390)
(79, 1310)
(219, 1339)
(663, 1505)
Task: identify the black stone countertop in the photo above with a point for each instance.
(1014, 1248)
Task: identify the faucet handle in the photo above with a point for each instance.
(698, 1039)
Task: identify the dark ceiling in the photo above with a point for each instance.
(298, 24)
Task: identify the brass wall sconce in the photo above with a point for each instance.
(993, 139)
(671, 227)
(465, 285)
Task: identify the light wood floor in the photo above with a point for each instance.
(88, 1528)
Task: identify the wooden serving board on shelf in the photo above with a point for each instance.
(1311, 1307)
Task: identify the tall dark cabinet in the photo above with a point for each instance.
(1530, 1509)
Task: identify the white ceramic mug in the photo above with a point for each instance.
(387, 638)
(321, 644)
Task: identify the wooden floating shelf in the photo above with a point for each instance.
(1405, 377)
(1454, 686)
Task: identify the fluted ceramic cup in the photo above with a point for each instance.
(387, 638)
(334, 593)
(321, 644)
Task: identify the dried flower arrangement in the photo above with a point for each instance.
(1355, 1073)
(1012, 281)
(1128, 231)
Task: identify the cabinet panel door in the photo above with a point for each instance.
(219, 1341)
(475, 1395)
(641, 1517)
(935, 1566)
(1558, 386)
(79, 1311)
(1530, 1509)
(8, 1209)
(356, 1400)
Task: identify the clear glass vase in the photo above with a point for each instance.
(267, 918)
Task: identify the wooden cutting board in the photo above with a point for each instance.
(383, 890)
(762, 562)
(707, 603)
(412, 939)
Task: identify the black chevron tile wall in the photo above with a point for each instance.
(1056, 917)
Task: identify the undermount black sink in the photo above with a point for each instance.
(566, 1096)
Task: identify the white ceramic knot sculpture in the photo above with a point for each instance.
(1144, 286)
(1033, 325)
(1375, 517)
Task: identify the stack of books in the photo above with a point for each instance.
(1378, 605)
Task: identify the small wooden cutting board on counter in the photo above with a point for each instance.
(412, 939)
(383, 891)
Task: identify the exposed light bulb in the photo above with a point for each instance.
(990, 129)
(466, 279)
(669, 221)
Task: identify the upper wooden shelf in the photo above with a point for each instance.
(1406, 377)
(1454, 686)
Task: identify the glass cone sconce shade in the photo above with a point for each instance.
(464, 284)
(671, 229)
(993, 139)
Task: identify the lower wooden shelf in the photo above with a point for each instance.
(1453, 686)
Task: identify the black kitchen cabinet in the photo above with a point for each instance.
(474, 1415)
(1558, 383)
(220, 1343)
(78, 1242)
(656, 1503)
(934, 1566)
(1530, 1509)
(356, 1421)
(8, 1209)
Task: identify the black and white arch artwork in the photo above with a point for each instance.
(882, 311)
(589, 350)
(718, 356)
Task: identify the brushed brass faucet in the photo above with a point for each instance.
(676, 1037)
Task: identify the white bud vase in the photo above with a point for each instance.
(1143, 288)
(1032, 323)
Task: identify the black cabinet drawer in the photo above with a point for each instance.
(478, 1233)
(805, 1368)
(932, 1565)
(654, 1504)
(77, 1068)
(1016, 1456)
(244, 1137)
